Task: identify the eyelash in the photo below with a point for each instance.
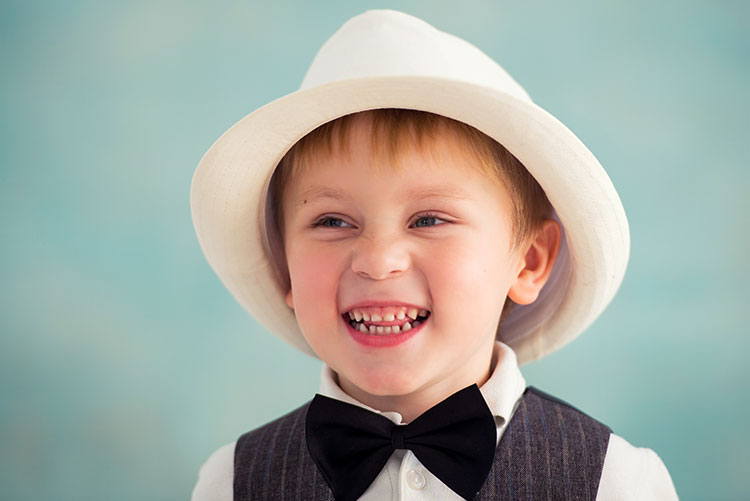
(324, 220)
(321, 221)
(430, 215)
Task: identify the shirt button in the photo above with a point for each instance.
(415, 480)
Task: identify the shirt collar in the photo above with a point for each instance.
(501, 391)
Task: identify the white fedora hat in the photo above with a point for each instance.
(388, 59)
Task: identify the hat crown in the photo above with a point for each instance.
(382, 43)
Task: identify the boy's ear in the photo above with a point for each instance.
(288, 298)
(535, 267)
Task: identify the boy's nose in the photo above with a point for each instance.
(379, 259)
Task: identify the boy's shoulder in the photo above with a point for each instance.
(256, 448)
(551, 400)
(270, 433)
(542, 413)
(274, 461)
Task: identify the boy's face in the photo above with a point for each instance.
(432, 236)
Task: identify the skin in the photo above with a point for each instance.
(436, 234)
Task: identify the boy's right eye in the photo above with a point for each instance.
(331, 222)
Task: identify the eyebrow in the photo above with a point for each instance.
(447, 192)
(315, 193)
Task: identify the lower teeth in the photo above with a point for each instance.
(384, 331)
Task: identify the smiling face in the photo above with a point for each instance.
(399, 275)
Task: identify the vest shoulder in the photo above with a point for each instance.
(273, 462)
(551, 400)
(278, 427)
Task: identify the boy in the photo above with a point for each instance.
(411, 218)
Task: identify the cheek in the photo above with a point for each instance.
(471, 278)
(314, 274)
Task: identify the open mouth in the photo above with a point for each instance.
(385, 321)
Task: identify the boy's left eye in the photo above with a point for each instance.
(331, 222)
(428, 220)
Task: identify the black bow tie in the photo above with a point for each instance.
(455, 440)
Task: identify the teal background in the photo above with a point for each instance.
(123, 361)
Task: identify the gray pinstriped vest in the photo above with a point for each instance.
(549, 450)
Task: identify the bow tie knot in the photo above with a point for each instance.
(455, 440)
(397, 437)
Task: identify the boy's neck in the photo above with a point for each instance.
(412, 405)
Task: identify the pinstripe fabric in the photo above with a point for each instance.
(273, 463)
(549, 450)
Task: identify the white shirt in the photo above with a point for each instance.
(629, 473)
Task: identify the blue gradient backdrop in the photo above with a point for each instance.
(123, 361)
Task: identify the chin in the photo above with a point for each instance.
(385, 382)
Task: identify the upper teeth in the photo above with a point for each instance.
(386, 314)
(359, 316)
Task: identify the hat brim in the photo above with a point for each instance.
(229, 189)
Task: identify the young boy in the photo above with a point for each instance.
(411, 218)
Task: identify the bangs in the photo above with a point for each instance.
(392, 132)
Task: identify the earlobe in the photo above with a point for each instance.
(289, 299)
(537, 263)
